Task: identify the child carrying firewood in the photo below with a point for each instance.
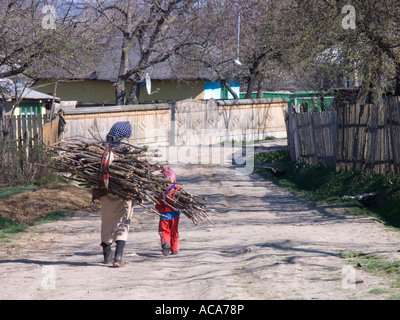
(169, 218)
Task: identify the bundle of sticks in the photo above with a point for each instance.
(131, 175)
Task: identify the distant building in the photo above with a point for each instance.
(32, 102)
(170, 81)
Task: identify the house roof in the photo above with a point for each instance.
(30, 94)
(106, 64)
(173, 68)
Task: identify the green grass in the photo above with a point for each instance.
(10, 191)
(55, 216)
(273, 156)
(10, 228)
(317, 183)
(372, 263)
(378, 265)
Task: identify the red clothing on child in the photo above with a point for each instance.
(168, 230)
(168, 226)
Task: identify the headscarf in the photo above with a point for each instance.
(170, 174)
(120, 130)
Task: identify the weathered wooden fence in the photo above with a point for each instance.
(31, 128)
(355, 137)
(23, 127)
(150, 122)
(312, 137)
(369, 137)
(187, 122)
(214, 121)
(22, 140)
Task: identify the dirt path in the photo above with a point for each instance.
(267, 244)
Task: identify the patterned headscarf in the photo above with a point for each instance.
(119, 131)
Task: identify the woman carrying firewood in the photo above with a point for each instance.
(116, 212)
(169, 218)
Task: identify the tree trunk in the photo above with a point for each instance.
(53, 102)
(260, 88)
(250, 87)
(371, 85)
(225, 84)
(363, 91)
(397, 88)
(135, 93)
(120, 90)
(370, 90)
(376, 94)
(393, 55)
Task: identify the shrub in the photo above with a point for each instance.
(24, 162)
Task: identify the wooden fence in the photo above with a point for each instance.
(312, 137)
(187, 122)
(355, 137)
(30, 128)
(369, 137)
(214, 121)
(21, 147)
(23, 127)
(150, 122)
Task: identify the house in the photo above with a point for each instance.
(214, 90)
(96, 90)
(32, 102)
(170, 81)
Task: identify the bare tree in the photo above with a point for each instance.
(263, 43)
(42, 38)
(213, 46)
(240, 40)
(367, 49)
(29, 47)
(151, 33)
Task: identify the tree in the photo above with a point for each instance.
(379, 23)
(29, 45)
(240, 40)
(358, 40)
(42, 38)
(212, 45)
(151, 31)
(262, 44)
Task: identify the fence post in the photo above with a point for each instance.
(289, 134)
(396, 135)
(334, 130)
(296, 138)
(172, 132)
(313, 139)
(392, 107)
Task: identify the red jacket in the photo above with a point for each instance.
(168, 196)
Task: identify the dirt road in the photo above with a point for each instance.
(267, 244)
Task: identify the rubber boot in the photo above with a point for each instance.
(118, 254)
(107, 252)
(166, 249)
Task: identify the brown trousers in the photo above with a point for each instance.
(116, 216)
